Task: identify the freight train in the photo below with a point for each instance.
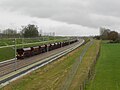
(32, 51)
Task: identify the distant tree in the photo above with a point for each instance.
(113, 35)
(97, 37)
(9, 32)
(30, 31)
(104, 33)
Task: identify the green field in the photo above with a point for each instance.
(107, 71)
(10, 41)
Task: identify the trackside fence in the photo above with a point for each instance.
(75, 67)
(91, 72)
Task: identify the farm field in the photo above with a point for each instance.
(107, 71)
(53, 76)
(8, 52)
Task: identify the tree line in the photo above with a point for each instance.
(29, 31)
(107, 34)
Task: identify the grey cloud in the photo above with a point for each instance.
(71, 11)
(106, 7)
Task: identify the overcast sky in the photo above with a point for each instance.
(64, 17)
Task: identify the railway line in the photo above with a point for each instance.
(11, 69)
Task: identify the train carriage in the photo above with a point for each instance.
(35, 50)
(31, 51)
(24, 52)
(43, 49)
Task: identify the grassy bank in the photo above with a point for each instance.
(107, 71)
(6, 53)
(84, 67)
(49, 77)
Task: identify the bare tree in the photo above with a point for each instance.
(9, 32)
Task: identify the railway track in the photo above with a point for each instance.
(12, 69)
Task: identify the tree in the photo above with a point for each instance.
(113, 35)
(97, 37)
(104, 33)
(9, 32)
(30, 31)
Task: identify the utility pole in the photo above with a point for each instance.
(69, 40)
(54, 36)
(47, 48)
(15, 55)
(61, 44)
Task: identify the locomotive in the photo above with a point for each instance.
(32, 51)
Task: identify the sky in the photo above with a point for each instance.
(64, 17)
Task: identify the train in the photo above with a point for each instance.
(36, 50)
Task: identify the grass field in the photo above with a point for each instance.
(10, 41)
(107, 71)
(6, 53)
(49, 77)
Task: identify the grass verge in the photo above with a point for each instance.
(82, 73)
(107, 71)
